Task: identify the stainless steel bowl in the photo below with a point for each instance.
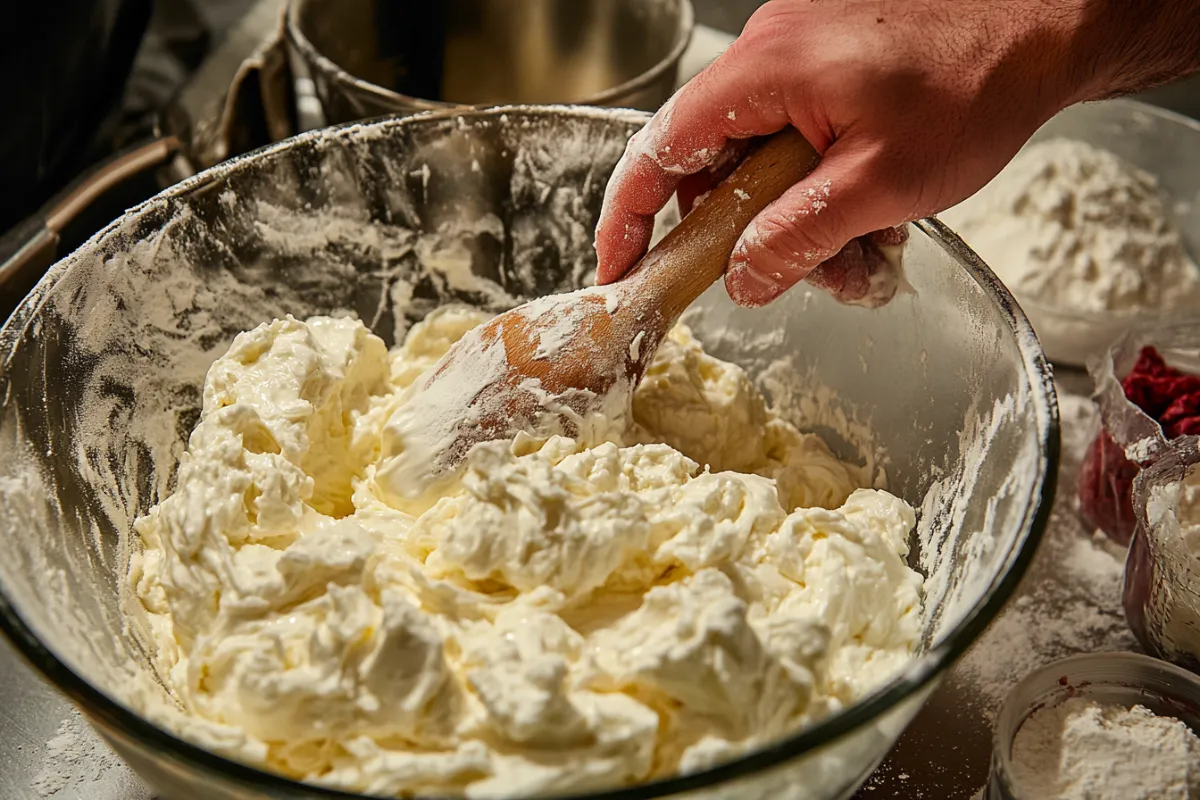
(102, 364)
(367, 58)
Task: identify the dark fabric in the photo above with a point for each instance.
(63, 64)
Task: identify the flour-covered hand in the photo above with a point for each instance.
(913, 105)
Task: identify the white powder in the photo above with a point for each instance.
(1173, 515)
(1075, 228)
(635, 347)
(1081, 750)
(1079, 611)
(74, 758)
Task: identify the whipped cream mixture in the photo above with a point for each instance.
(568, 615)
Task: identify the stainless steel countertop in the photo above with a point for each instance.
(76, 766)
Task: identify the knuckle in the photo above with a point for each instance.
(771, 18)
(772, 38)
(793, 242)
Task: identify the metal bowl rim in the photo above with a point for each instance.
(923, 669)
(343, 77)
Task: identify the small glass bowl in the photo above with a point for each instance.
(1153, 139)
(1161, 591)
(1113, 678)
(1074, 338)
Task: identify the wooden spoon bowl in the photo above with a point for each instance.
(563, 363)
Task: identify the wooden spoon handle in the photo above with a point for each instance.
(694, 254)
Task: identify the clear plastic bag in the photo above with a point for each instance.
(1162, 570)
(1129, 439)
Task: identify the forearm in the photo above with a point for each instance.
(1131, 45)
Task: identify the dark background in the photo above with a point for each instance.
(84, 78)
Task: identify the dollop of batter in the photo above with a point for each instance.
(569, 615)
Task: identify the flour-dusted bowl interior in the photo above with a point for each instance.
(945, 390)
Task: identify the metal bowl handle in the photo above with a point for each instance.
(31, 247)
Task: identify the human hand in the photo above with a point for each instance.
(914, 106)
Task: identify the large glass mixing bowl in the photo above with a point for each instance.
(946, 389)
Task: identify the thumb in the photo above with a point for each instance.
(809, 225)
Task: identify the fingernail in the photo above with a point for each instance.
(749, 288)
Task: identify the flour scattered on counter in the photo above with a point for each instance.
(73, 757)
(1082, 750)
(1035, 629)
(1074, 227)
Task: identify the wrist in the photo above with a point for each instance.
(1070, 40)
(1041, 53)
(1124, 47)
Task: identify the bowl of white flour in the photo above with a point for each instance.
(744, 585)
(1104, 725)
(1095, 225)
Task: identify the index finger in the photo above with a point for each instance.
(689, 133)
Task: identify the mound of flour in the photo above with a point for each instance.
(1082, 750)
(1074, 227)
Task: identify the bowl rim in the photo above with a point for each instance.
(917, 674)
(387, 97)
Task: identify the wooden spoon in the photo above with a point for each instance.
(565, 363)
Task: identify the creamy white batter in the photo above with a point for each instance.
(569, 615)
